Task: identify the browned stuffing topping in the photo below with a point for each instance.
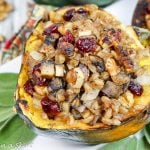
(83, 68)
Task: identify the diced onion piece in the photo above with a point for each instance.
(47, 69)
(59, 70)
(90, 96)
(36, 55)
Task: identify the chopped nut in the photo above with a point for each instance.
(59, 58)
(108, 113)
(41, 90)
(88, 119)
(76, 103)
(60, 95)
(71, 76)
(72, 63)
(112, 67)
(129, 97)
(86, 113)
(66, 107)
(80, 78)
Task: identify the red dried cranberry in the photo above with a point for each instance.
(41, 81)
(51, 108)
(51, 29)
(135, 88)
(82, 11)
(86, 45)
(37, 78)
(69, 14)
(68, 37)
(115, 34)
(36, 69)
(29, 87)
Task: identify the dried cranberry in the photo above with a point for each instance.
(37, 78)
(29, 87)
(51, 29)
(82, 11)
(86, 45)
(41, 81)
(69, 14)
(51, 108)
(135, 88)
(68, 37)
(116, 34)
(36, 69)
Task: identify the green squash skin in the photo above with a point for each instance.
(94, 136)
(69, 2)
(97, 2)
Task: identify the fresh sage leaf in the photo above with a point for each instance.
(124, 144)
(5, 113)
(16, 131)
(147, 133)
(4, 123)
(143, 144)
(7, 87)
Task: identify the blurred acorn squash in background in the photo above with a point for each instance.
(69, 2)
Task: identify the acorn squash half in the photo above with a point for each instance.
(84, 77)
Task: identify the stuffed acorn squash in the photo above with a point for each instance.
(84, 77)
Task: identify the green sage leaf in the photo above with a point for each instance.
(147, 133)
(7, 87)
(143, 144)
(16, 131)
(124, 144)
(5, 113)
(4, 123)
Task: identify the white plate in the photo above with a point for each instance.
(123, 9)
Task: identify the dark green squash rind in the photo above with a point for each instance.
(94, 136)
